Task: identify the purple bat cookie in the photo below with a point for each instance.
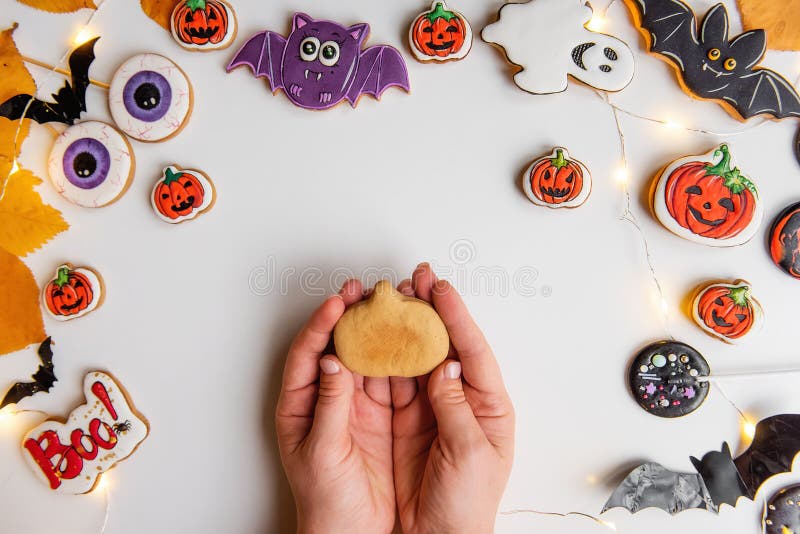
(321, 63)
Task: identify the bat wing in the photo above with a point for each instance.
(652, 485)
(43, 378)
(263, 53)
(74, 98)
(39, 111)
(379, 67)
(765, 91)
(672, 27)
(776, 443)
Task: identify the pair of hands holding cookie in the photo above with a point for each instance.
(360, 453)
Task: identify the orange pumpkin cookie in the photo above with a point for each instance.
(74, 292)
(440, 34)
(391, 335)
(556, 181)
(203, 24)
(727, 311)
(182, 194)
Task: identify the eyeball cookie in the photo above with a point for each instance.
(182, 194)
(556, 181)
(91, 164)
(203, 24)
(727, 311)
(440, 34)
(74, 292)
(150, 98)
(708, 200)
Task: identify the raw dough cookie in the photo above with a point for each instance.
(784, 241)
(441, 34)
(548, 40)
(663, 379)
(391, 335)
(203, 24)
(557, 181)
(727, 311)
(182, 194)
(74, 292)
(70, 456)
(709, 203)
(150, 98)
(91, 164)
(782, 512)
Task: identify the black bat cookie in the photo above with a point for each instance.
(70, 100)
(43, 378)
(720, 479)
(713, 67)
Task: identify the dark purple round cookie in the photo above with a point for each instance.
(782, 513)
(664, 379)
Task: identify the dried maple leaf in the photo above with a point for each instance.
(779, 19)
(59, 6)
(20, 315)
(14, 77)
(159, 10)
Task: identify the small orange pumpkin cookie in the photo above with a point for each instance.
(391, 335)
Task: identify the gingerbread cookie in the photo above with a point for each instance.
(203, 24)
(182, 194)
(91, 164)
(440, 34)
(74, 292)
(782, 512)
(390, 334)
(778, 19)
(710, 203)
(321, 63)
(557, 181)
(710, 65)
(784, 241)
(663, 379)
(150, 98)
(727, 311)
(70, 456)
(549, 41)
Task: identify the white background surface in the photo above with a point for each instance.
(413, 177)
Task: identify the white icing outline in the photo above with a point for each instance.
(230, 35)
(80, 417)
(209, 194)
(180, 105)
(539, 37)
(574, 203)
(461, 54)
(758, 312)
(98, 292)
(665, 218)
(120, 171)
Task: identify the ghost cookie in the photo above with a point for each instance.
(91, 164)
(557, 181)
(150, 98)
(390, 334)
(784, 241)
(706, 199)
(440, 34)
(663, 379)
(782, 512)
(203, 24)
(182, 194)
(727, 311)
(549, 41)
(74, 292)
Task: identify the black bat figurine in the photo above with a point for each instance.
(43, 378)
(70, 100)
(710, 65)
(720, 479)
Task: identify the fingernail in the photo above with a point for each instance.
(422, 265)
(441, 287)
(329, 367)
(452, 370)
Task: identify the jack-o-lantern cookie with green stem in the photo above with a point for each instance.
(203, 24)
(182, 194)
(727, 311)
(440, 34)
(74, 292)
(557, 181)
(708, 199)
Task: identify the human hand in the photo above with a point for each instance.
(335, 432)
(453, 430)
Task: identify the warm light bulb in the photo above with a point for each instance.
(597, 23)
(609, 524)
(672, 125)
(622, 176)
(103, 483)
(664, 306)
(14, 168)
(749, 430)
(82, 36)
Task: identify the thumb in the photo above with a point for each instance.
(458, 428)
(333, 402)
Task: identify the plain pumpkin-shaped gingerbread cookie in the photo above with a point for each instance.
(391, 335)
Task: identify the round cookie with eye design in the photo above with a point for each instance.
(182, 194)
(74, 292)
(91, 164)
(150, 98)
(440, 34)
(708, 200)
(782, 512)
(727, 311)
(663, 379)
(557, 181)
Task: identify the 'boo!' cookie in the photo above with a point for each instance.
(74, 292)
(440, 34)
(557, 181)
(727, 311)
(182, 194)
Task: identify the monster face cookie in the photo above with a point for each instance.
(391, 335)
(706, 199)
(556, 181)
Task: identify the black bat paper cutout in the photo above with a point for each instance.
(720, 479)
(70, 100)
(713, 67)
(43, 378)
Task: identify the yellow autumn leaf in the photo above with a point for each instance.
(159, 10)
(20, 315)
(59, 6)
(779, 19)
(14, 77)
